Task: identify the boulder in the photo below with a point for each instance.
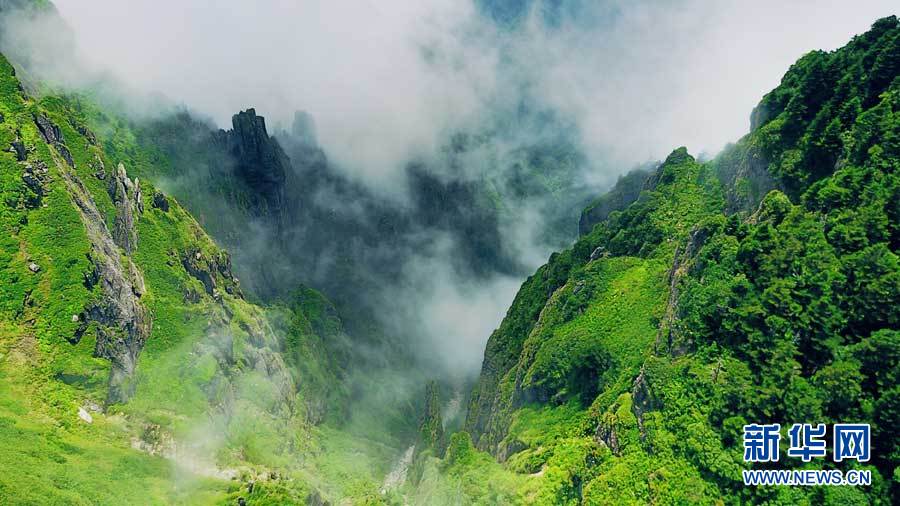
(160, 201)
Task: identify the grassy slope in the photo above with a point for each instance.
(49, 456)
(198, 378)
(604, 392)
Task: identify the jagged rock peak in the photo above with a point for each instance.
(259, 160)
(259, 155)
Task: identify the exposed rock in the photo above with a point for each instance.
(261, 162)
(48, 130)
(33, 183)
(606, 433)
(85, 416)
(668, 336)
(53, 136)
(191, 296)
(210, 270)
(18, 147)
(599, 252)
(36, 177)
(507, 449)
(85, 132)
(65, 154)
(99, 168)
(643, 400)
(160, 201)
(137, 281)
(123, 324)
(198, 268)
(123, 193)
(138, 196)
(745, 178)
(33, 267)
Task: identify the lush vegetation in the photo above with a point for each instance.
(761, 286)
(227, 392)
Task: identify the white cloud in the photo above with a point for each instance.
(647, 77)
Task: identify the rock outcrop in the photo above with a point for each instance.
(160, 201)
(260, 161)
(214, 271)
(36, 178)
(123, 323)
(53, 135)
(126, 195)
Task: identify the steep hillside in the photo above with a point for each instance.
(127, 348)
(761, 286)
(137, 368)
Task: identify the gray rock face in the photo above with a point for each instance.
(214, 272)
(18, 147)
(643, 400)
(49, 131)
(606, 433)
(123, 324)
(160, 201)
(261, 162)
(53, 136)
(99, 168)
(745, 176)
(36, 177)
(126, 195)
(670, 338)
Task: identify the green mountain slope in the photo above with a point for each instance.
(760, 286)
(128, 350)
(627, 365)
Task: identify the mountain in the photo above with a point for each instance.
(125, 336)
(197, 315)
(759, 287)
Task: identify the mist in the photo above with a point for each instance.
(391, 84)
(388, 80)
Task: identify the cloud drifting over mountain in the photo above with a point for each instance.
(387, 80)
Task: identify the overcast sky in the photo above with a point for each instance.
(386, 79)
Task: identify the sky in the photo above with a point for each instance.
(387, 80)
